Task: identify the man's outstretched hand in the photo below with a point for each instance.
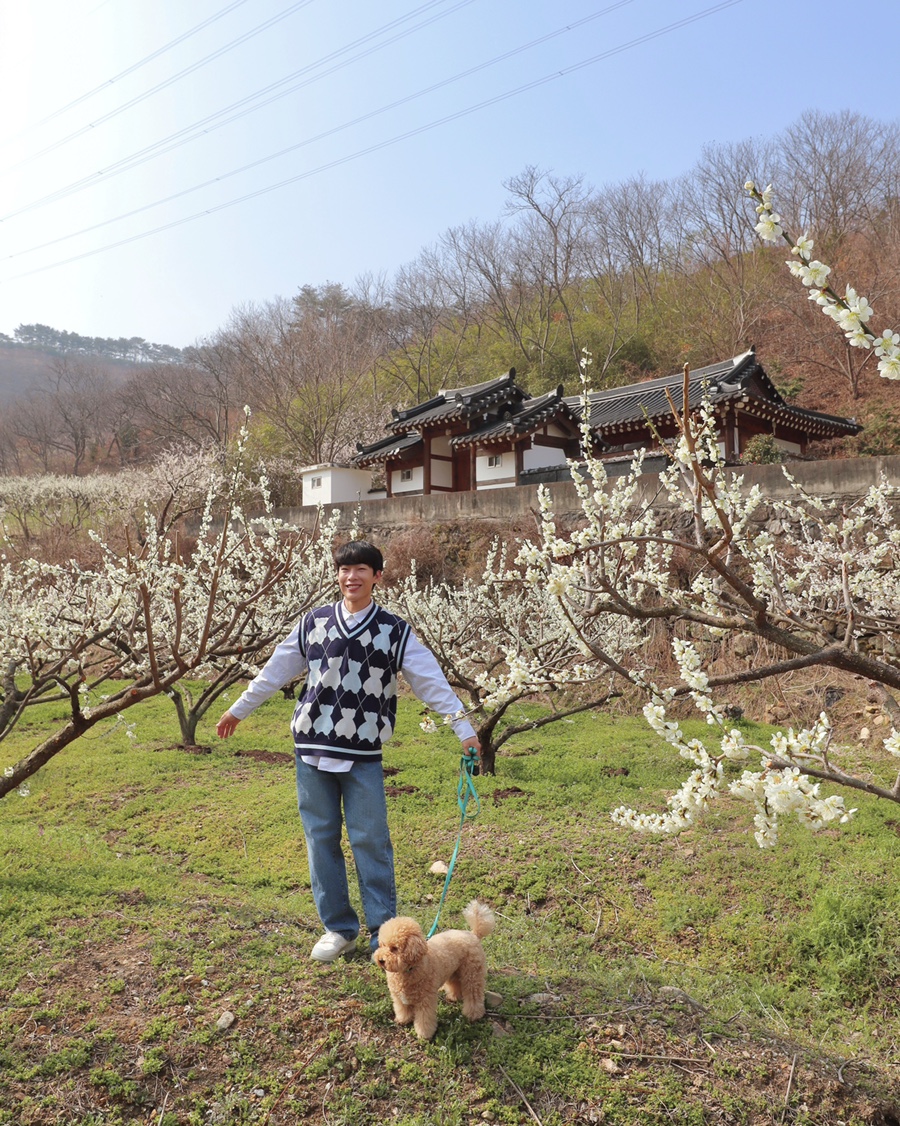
(226, 725)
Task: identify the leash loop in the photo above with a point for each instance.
(465, 791)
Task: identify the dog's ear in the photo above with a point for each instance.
(414, 949)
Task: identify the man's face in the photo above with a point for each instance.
(356, 582)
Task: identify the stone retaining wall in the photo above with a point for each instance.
(838, 481)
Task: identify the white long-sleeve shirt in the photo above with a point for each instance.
(420, 668)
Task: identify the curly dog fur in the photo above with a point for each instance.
(416, 970)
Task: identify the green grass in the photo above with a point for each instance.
(145, 891)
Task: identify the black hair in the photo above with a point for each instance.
(359, 551)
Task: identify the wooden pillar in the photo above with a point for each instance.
(727, 422)
(426, 464)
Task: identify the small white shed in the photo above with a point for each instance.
(332, 484)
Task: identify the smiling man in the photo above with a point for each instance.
(351, 653)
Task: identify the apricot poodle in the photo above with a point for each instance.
(416, 970)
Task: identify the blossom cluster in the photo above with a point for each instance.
(851, 312)
(175, 485)
(775, 790)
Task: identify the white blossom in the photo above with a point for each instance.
(886, 344)
(769, 227)
(892, 743)
(852, 312)
(814, 274)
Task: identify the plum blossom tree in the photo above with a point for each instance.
(62, 509)
(502, 640)
(824, 592)
(106, 638)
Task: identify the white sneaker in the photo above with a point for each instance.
(331, 946)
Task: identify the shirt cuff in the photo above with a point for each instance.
(463, 729)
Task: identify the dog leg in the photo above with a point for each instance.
(453, 988)
(473, 1007)
(473, 979)
(403, 1013)
(425, 1022)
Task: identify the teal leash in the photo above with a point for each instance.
(465, 790)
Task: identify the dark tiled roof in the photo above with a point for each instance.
(741, 379)
(385, 449)
(522, 418)
(463, 402)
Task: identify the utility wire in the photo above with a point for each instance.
(328, 132)
(264, 26)
(198, 128)
(535, 84)
(136, 66)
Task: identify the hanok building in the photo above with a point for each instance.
(746, 404)
(493, 435)
(486, 436)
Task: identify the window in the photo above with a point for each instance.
(495, 461)
(405, 474)
(315, 482)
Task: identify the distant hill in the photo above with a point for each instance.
(23, 369)
(26, 356)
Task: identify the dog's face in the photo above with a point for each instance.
(401, 945)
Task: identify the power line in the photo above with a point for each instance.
(264, 26)
(329, 132)
(134, 66)
(524, 88)
(179, 138)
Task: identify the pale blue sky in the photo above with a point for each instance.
(648, 106)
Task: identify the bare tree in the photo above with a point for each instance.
(626, 249)
(10, 456)
(64, 423)
(838, 173)
(480, 256)
(548, 245)
(722, 279)
(197, 403)
(429, 326)
(311, 362)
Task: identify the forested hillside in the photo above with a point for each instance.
(26, 369)
(644, 275)
(62, 342)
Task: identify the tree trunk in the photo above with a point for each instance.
(9, 700)
(189, 715)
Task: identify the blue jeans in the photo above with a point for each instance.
(320, 796)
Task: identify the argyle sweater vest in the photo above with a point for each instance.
(349, 704)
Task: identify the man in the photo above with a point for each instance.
(350, 653)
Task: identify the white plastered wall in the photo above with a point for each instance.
(441, 471)
(537, 457)
(442, 474)
(500, 476)
(334, 484)
(415, 484)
